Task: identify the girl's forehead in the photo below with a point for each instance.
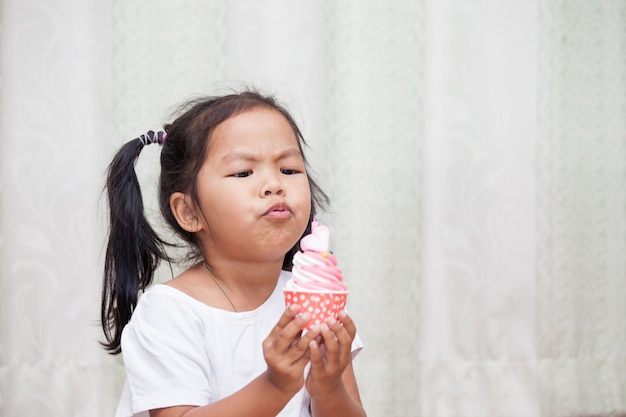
(260, 129)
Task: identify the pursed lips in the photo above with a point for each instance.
(278, 211)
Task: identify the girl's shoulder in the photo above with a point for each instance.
(164, 303)
(178, 297)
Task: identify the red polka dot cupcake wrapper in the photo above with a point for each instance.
(319, 305)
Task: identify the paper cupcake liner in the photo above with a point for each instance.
(320, 305)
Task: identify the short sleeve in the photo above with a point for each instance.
(163, 353)
(357, 345)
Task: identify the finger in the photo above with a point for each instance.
(343, 337)
(343, 334)
(291, 332)
(323, 351)
(347, 323)
(287, 316)
(301, 358)
(299, 348)
(330, 340)
(285, 332)
(316, 357)
(307, 336)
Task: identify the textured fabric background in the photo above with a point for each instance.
(581, 206)
(474, 152)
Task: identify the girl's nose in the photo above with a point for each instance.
(273, 186)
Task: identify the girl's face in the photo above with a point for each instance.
(253, 189)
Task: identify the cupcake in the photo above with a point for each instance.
(317, 284)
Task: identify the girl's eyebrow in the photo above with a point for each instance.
(238, 155)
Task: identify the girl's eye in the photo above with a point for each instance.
(242, 174)
(289, 171)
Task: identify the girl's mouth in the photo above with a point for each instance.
(278, 211)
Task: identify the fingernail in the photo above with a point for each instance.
(306, 316)
(325, 327)
(331, 321)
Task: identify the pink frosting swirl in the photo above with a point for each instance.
(315, 267)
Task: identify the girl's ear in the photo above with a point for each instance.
(184, 212)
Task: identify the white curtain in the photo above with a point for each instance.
(474, 151)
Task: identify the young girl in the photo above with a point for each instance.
(217, 340)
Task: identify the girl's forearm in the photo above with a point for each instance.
(260, 398)
(339, 404)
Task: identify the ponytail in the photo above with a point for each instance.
(134, 250)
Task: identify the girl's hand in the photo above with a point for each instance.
(286, 352)
(329, 361)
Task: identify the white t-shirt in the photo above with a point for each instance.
(179, 351)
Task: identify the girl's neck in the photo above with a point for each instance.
(247, 285)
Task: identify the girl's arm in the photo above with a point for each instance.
(344, 400)
(259, 398)
(286, 354)
(331, 382)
